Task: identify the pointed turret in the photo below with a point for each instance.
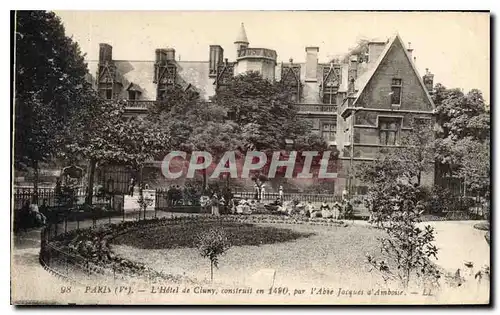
(241, 41)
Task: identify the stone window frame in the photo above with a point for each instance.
(396, 85)
(105, 90)
(332, 129)
(387, 131)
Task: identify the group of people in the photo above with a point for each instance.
(336, 211)
(218, 204)
(30, 215)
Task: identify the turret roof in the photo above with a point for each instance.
(242, 35)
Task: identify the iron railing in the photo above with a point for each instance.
(315, 108)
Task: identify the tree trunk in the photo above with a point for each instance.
(211, 271)
(35, 182)
(90, 183)
(204, 181)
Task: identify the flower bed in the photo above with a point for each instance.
(93, 244)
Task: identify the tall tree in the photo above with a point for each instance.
(49, 79)
(464, 139)
(195, 125)
(461, 115)
(264, 112)
(102, 134)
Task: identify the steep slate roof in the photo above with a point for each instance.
(362, 81)
(141, 74)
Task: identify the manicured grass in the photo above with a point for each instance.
(184, 235)
(308, 254)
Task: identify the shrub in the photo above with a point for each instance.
(211, 244)
(407, 246)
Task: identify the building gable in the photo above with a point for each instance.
(394, 68)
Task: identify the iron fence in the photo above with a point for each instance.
(271, 196)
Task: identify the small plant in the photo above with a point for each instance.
(144, 202)
(211, 244)
(407, 246)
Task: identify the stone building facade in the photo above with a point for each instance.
(358, 105)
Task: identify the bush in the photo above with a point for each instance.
(407, 245)
(211, 244)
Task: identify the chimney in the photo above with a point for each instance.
(312, 64)
(160, 55)
(353, 67)
(216, 57)
(428, 79)
(170, 52)
(105, 52)
(410, 50)
(375, 50)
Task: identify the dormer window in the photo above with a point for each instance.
(106, 90)
(396, 88)
(330, 95)
(132, 95)
(332, 76)
(134, 92)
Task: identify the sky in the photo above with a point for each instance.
(455, 46)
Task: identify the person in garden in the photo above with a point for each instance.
(262, 192)
(222, 203)
(215, 205)
(280, 192)
(38, 217)
(131, 187)
(324, 206)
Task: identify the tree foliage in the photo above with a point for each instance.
(263, 110)
(461, 115)
(49, 80)
(212, 244)
(101, 132)
(463, 142)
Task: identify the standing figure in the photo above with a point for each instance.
(281, 193)
(256, 189)
(131, 187)
(215, 205)
(222, 205)
(262, 191)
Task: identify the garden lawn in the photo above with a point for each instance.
(312, 255)
(184, 235)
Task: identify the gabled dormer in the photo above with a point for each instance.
(165, 74)
(331, 80)
(290, 78)
(108, 79)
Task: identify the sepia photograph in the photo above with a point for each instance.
(250, 158)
